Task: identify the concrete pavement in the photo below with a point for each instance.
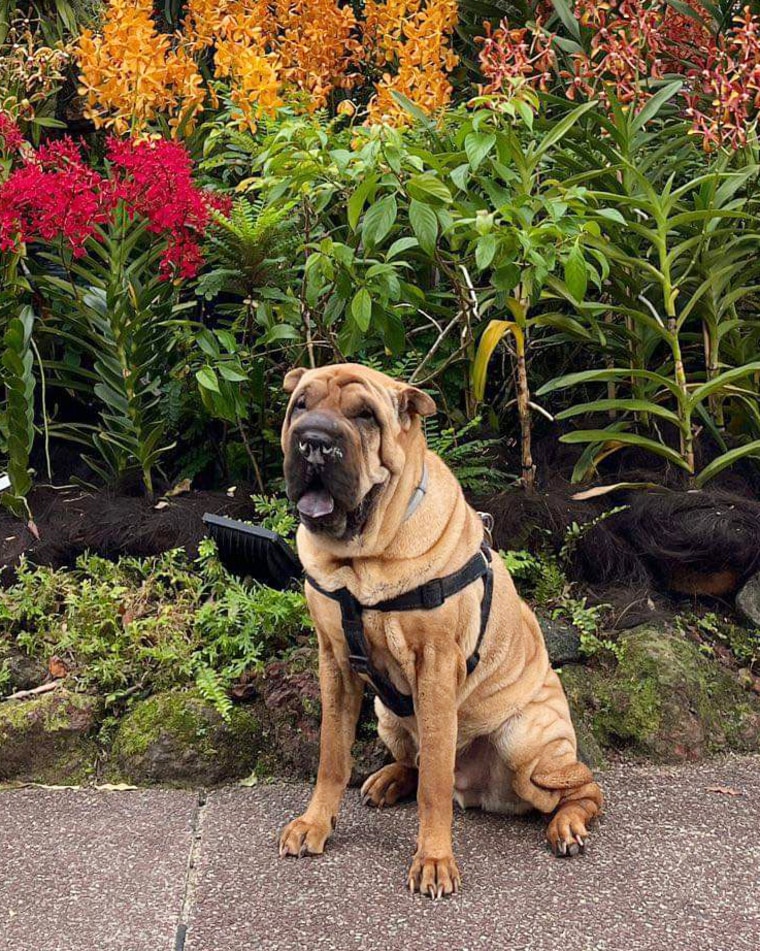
(674, 864)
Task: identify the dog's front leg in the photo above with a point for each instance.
(341, 692)
(434, 871)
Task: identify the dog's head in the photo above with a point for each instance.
(347, 436)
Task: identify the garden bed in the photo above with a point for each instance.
(165, 670)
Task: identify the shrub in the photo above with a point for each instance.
(128, 628)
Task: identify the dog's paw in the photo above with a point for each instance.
(389, 785)
(304, 837)
(434, 877)
(567, 834)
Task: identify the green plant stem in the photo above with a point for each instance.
(669, 293)
(523, 410)
(251, 456)
(712, 356)
(684, 413)
(43, 391)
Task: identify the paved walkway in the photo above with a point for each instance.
(673, 866)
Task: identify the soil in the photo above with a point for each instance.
(659, 544)
(70, 521)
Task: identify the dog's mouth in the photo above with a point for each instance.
(316, 501)
(323, 512)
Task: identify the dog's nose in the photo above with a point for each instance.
(317, 447)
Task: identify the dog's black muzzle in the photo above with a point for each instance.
(320, 472)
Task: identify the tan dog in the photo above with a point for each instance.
(501, 737)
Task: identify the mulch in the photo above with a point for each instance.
(70, 521)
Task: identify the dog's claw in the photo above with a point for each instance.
(434, 877)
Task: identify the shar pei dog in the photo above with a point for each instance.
(405, 595)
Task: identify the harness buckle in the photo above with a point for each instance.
(432, 594)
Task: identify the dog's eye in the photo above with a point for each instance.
(300, 403)
(366, 414)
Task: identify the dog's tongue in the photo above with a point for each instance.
(316, 503)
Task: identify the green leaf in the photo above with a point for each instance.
(485, 250)
(228, 340)
(207, 379)
(207, 343)
(506, 277)
(629, 439)
(654, 105)
(399, 246)
(280, 332)
(413, 109)
(231, 374)
(426, 186)
(565, 13)
(561, 128)
(379, 220)
(727, 459)
(424, 224)
(602, 376)
(624, 405)
(357, 201)
(611, 214)
(576, 274)
(477, 145)
(361, 308)
(112, 398)
(723, 379)
(526, 113)
(461, 175)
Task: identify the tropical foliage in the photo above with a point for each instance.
(142, 625)
(550, 221)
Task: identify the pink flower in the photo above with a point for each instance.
(11, 138)
(156, 182)
(55, 195)
(516, 54)
(52, 195)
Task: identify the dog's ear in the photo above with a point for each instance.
(292, 379)
(413, 401)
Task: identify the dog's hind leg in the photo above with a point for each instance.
(542, 752)
(580, 799)
(398, 780)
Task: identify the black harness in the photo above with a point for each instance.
(426, 597)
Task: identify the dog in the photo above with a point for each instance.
(380, 516)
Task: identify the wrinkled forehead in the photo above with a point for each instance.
(344, 392)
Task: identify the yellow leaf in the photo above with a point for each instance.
(492, 335)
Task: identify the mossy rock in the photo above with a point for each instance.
(179, 739)
(25, 673)
(49, 739)
(562, 639)
(664, 700)
(290, 709)
(748, 600)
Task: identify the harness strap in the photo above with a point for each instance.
(426, 597)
